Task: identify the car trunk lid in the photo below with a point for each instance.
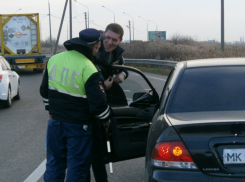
(216, 145)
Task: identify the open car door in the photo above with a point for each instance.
(133, 104)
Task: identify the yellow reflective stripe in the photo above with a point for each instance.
(65, 92)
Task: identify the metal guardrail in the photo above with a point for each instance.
(142, 61)
(150, 62)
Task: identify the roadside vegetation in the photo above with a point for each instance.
(180, 48)
(177, 48)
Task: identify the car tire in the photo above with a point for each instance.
(17, 97)
(7, 103)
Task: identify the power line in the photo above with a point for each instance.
(75, 10)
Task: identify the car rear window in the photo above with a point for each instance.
(210, 89)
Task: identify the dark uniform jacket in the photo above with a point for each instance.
(102, 58)
(72, 87)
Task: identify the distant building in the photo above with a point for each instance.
(211, 41)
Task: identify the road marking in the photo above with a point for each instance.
(156, 78)
(37, 173)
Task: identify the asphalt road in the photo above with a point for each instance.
(23, 130)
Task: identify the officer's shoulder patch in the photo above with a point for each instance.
(101, 87)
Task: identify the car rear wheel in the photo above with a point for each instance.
(17, 97)
(7, 103)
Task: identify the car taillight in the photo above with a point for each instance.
(40, 66)
(172, 155)
(1, 76)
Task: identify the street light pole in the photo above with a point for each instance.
(129, 27)
(110, 11)
(146, 27)
(156, 28)
(133, 23)
(155, 23)
(87, 9)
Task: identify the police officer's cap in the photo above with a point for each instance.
(91, 36)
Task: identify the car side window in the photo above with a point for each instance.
(4, 67)
(131, 89)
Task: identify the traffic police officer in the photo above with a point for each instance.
(73, 93)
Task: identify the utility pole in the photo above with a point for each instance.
(61, 23)
(87, 9)
(85, 19)
(222, 26)
(50, 30)
(70, 20)
(129, 31)
(67, 31)
(132, 21)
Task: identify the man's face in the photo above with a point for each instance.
(96, 48)
(112, 40)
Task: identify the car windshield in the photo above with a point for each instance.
(210, 89)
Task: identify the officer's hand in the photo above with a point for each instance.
(108, 82)
(107, 123)
(119, 78)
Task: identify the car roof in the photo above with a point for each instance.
(214, 62)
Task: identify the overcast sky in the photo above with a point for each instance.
(199, 19)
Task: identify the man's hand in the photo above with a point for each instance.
(119, 78)
(50, 117)
(108, 82)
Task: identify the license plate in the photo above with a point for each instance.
(234, 156)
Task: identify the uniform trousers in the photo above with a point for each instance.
(68, 148)
(99, 152)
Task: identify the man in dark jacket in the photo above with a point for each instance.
(73, 93)
(110, 53)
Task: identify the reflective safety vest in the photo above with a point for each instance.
(69, 77)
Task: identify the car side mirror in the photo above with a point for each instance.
(141, 99)
(138, 95)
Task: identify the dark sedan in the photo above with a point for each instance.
(196, 130)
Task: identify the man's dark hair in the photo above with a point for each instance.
(116, 28)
